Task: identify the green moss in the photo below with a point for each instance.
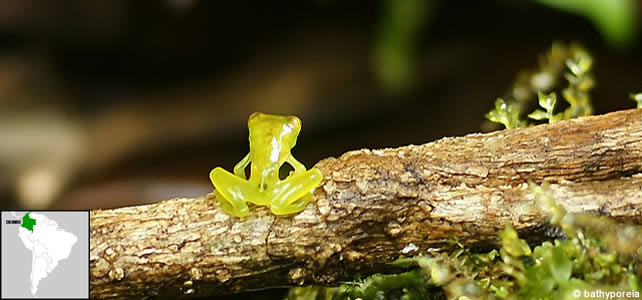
(580, 82)
(548, 103)
(505, 114)
(543, 82)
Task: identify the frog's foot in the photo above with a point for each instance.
(231, 192)
(293, 194)
(239, 210)
(294, 207)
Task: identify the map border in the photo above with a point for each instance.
(88, 241)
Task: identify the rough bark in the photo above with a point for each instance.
(371, 207)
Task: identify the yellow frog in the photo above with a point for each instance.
(272, 138)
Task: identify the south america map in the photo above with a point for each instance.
(49, 239)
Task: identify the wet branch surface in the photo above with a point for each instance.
(372, 205)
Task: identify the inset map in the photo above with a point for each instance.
(45, 254)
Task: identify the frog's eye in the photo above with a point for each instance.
(254, 116)
(295, 123)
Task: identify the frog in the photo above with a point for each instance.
(272, 138)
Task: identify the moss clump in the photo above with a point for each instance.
(572, 63)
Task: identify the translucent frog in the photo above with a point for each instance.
(272, 138)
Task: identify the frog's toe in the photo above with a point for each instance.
(237, 209)
(293, 207)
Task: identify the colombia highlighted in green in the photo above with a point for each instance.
(28, 222)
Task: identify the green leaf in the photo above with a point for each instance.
(561, 266)
(616, 19)
(504, 114)
(538, 115)
(541, 288)
(512, 244)
(580, 63)
(547, 101)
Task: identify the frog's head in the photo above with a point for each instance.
(273, 132)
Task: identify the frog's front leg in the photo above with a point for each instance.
(239, 169)
(231, 192)
(294, 193)
(296, 165)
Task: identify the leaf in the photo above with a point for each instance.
(547, 101)
(556, 118)
(616, 19)
(504, 114)
(580, 63)
(538, 115)
(512, 244)
(561, 266)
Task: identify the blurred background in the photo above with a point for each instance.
(115, 103)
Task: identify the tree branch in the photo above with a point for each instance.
(371, 208)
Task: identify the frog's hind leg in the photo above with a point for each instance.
(293, 194)
(231, 192)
